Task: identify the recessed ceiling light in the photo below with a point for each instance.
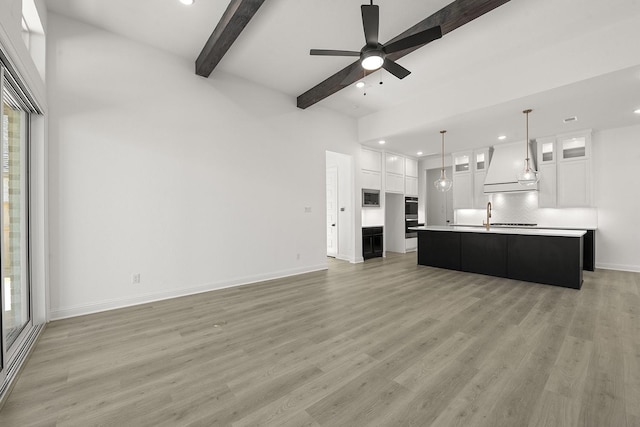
(502, 137)
(419, 153)
(637, 111)
(360, 85)
(187, 2)
(382, 142)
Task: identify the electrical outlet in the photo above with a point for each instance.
(135, 278)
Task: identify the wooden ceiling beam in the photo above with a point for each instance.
(450, 17)
(233, 21)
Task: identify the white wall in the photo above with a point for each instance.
(194, 183)
(616, 159)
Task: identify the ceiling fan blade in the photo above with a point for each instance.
(328, 52)
(370, 23)
(396, 69)
(417, 39)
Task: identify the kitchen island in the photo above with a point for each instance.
(549, 256)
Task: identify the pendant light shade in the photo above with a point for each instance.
(443, 184)
(529, 176)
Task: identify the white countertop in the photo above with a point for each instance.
(499, 230)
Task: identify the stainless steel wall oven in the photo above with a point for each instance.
(410, 216)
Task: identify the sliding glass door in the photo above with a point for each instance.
(14, 250)
(15, 278)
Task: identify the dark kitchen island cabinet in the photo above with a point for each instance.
(551, 257)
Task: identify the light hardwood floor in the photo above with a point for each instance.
(382, 343)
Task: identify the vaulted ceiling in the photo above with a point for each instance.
(559, 57)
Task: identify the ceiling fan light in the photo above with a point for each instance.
(372, 61)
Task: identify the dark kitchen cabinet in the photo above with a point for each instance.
(484, 253)
(372, 238)
(439, 249)
(589, 251)
(552, 260)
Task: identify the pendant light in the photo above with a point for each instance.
(443, 184)
(529, 176)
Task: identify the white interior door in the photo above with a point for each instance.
(332, 211)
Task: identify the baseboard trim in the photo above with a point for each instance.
(619, 267)
(15, 368)
(84, 309)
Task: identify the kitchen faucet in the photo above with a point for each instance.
(487, 224)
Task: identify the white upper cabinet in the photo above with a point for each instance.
(394, 164)
(394, 173)
(371, 180)
(371, 160)
(564, 164)
(394, 183)
(462, 162)
(480, 161)
(371, 169)
(546, 162)
(462, 191)
(574, 170)
(411, 177)
(463, 188)
(411, 167)
(400, 173)
(411, 186)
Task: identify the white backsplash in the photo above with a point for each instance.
(523, 208)
(372, 217)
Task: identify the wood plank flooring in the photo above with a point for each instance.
(384, 343)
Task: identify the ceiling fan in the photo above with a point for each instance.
(373, 54)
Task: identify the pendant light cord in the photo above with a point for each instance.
(442, 132)
(527, 141)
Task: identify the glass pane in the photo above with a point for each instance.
(480, 161)
(14, 221)
(547, 152)
(462, 163)
(574, 147)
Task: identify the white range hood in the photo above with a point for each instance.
(507, 161)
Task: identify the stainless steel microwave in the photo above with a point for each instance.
(370, 198)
